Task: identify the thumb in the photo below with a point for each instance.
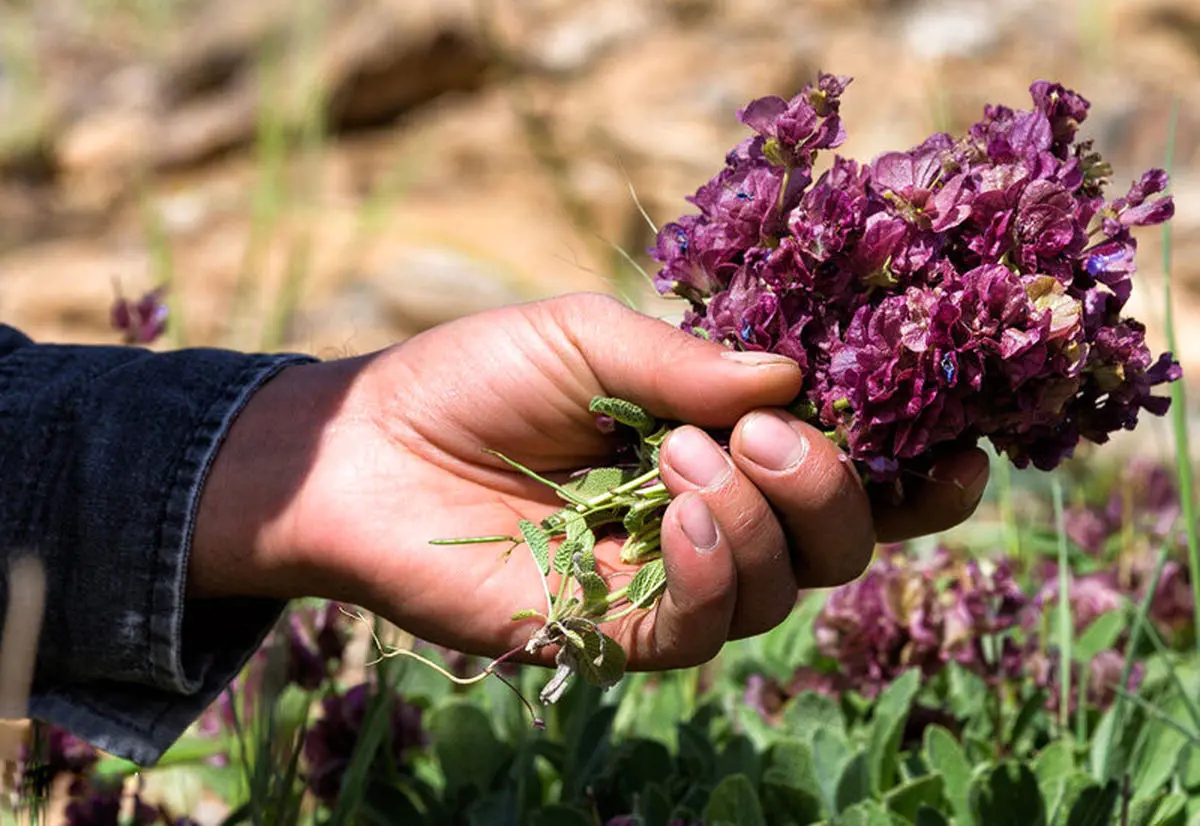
(672, 374)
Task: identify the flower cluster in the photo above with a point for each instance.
(1144, 502)
(905, 613)
(330, 743)
(970, 287)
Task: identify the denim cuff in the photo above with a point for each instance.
(104, 452)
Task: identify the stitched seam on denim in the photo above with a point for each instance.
(177, 520)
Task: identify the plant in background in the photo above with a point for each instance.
(142, 321)
(330, 744)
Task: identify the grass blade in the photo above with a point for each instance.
(1179, 426)
(1066, 632)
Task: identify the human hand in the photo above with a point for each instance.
(336, 476)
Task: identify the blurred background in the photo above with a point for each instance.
(335, 176)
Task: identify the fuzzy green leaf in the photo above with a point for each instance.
(625, 412)
(907, 799)
(647, 584)
(734, 802)
(891, 712)
(577, 530)
(595, 591)
(539, 543)
(600, 660)
(946, 757)
(1007, 795)
(598, 481)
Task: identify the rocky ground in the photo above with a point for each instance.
(334, 177)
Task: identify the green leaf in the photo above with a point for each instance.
(946, 757)
(697, 757)
(1171, 811)
(558, 815)
(1007, 795)
(625, 412)
(1064, 793)
(1095, 806)
(908, 798)
(734, 802)
(887, 727)
(1052, 766)
(598, 481)
(1101, 635)
(578, 531)
(1033, 708)
(792, 640)
(1158, 757)
(595, 591)
(790, 781)
(854, 784)
(810, 712)
(927, 816)
(465, 746)
(867, 813)
(830, 753)
(600, 659)
(654, 805)
(739, 757)
(647, 584)
(539, 544)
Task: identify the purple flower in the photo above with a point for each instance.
(143, 321)
(316, 639)
(56, 752)
(966, 288)
(904, 614)
(1091, 596)
(101, 805)
(330, 743)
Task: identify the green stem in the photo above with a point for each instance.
(622, 613)
(1183, 453)
(1065, 631)
(596, 502)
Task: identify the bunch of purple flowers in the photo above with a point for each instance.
(969, 287)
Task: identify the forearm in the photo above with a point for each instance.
(103, 455)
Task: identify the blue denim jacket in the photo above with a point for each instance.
(103, 454)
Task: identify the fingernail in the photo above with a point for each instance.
(697, 458)
(698, 524)
(755, 358)
(770, 442)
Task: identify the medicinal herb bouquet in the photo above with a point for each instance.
(970, 287)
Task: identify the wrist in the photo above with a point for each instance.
(245, 537)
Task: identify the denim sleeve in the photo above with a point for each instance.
(103, 455)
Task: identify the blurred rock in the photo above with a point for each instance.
(427, 286)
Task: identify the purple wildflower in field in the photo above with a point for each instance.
(57, 752)
(141, 321)
(101, 805)
(316, 640)
(330, 743)
(1090, 596)
(906, 613)
(969, 287)
(1100, 681)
